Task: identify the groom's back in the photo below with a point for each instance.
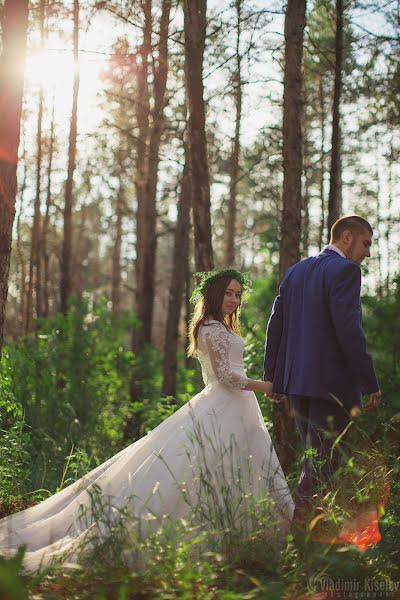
(314, 364)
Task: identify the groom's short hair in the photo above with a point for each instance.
(353, 223)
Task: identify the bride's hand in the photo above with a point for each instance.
(277, 398)
(268, 389)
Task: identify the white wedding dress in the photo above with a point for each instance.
(212, 457)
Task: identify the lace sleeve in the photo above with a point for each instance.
(217, 341)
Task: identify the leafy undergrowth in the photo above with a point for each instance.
(301, 570)
(51, 444)
(164, 567)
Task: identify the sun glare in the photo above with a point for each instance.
(54, 70)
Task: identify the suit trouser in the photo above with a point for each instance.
(319, 421)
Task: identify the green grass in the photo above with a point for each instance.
(218, 553)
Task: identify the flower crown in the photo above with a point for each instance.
(206, 277)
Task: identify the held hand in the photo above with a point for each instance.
(271, 395)
(279, 398)
(373, 401)
(268, 389)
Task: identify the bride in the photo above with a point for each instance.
(212, 460)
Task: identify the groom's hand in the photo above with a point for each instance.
(273, 395)
(279, 398)
(373, 401)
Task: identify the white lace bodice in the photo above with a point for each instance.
(220, 353)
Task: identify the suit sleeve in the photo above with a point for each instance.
(273, 336)
(345, 310)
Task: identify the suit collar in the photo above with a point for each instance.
(334, 248)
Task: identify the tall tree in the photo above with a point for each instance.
(178, 281)
(321, 97)
(14, 28)
(44, 253)
(389, 265)
(292, 199)
(335, 193)
(19, 243)
(151, 127)
(34, 264)
(119, 109)
(292, 135)
(116, 254)
(66, 284)
(195, 35)
(230, 231)
(378, 218)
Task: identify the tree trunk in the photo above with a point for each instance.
(335, 192)
(306, 125)
(34, 269)
(141, 166)
(151, 127)
(39, 243)
(66, 284)
(188, 292)
(292, 136)
(378, 249)
(132, 428)
(178, 281)
(305, 220)
(230, 231)
(15, 27)
(322, 163)
(19, 250)
(44, 254)
(389, 218)
(195, 33)
(147, 171)
(292, 172)
(116, 256)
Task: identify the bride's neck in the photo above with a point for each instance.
(212, 318)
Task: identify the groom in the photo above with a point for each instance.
(316, 351)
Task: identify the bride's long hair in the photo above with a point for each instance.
(211, 305)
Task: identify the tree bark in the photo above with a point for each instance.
(116, 256)
(322, 163)
(15, 27)
(151, 126)
(178, 281)
(34, 274)
(292, 171)
(306, 178)
(378, 249)
(389, 264)
(305, 220)
(66, 283)
(335, 192)
(292, 135)
(19, 248)
(34, 263)
(142, 116)
(45, 257)
(188, 292)
(195, 33)
(230, 232)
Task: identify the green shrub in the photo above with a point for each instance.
(15, 439)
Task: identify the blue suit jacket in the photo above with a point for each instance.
(315, 344)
